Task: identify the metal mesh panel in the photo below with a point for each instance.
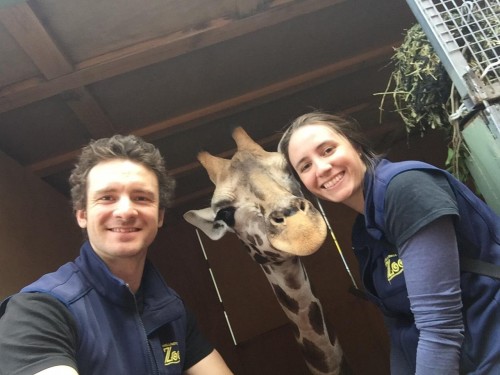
(466, 36)
(476, 28)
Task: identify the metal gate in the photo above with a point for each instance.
(466, 37)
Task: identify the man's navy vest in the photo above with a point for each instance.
(478, 235)
(114, 337)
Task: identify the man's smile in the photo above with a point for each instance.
(123, 230)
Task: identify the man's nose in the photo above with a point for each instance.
(125, 208)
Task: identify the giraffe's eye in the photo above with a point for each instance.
(226, 215)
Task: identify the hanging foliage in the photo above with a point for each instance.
(421, 89)
(423, 95)
(419, 85)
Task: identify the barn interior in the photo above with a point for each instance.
(183, 75)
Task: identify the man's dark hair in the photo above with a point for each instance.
(127, 147)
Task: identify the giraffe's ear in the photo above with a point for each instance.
(204, 220)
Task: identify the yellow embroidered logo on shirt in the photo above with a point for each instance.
(172, 353)
(394, 267)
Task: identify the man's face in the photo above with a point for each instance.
(122, 215)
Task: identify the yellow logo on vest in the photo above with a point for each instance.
(172, 353)
(394, 266)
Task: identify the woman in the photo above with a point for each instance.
(428, 248)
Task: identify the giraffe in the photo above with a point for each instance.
(256, 198)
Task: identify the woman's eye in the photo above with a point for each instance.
(328, 150)
(304, 167)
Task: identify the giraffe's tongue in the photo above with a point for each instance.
(301, 235)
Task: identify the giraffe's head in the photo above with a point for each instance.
(257, 198)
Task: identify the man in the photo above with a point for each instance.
(109, 311)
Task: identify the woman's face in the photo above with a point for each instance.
(328, 165)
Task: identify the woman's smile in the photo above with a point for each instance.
(334, 181)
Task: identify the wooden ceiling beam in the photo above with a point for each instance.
(244, 8)
(157, 50)
(273, 140)
(264, 142)
(246, 101)
(25, 27)
(266, 94)
(89, 112)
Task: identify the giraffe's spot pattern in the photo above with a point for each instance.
(314, 356)
(285, 300)
(251, 240)
(256, 249)
(272, 256)
(258, 240)
(292, 282)
(260, 259)
(316, 319)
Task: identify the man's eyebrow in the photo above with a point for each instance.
(103, 191)
(144, 191)
(109, 190)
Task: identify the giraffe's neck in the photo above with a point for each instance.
(293, 291)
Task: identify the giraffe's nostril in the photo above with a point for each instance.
(279, 216)
(302, 205)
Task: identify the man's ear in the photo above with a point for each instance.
(81, 218)
(161, 215)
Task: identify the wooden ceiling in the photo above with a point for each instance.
(183, 73)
